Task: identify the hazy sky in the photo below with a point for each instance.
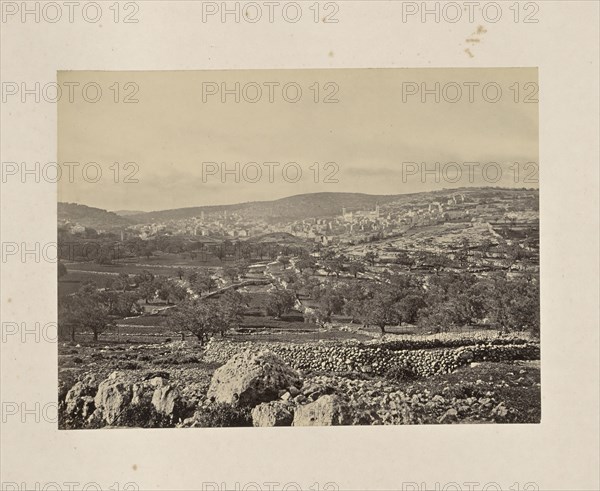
(375, 126)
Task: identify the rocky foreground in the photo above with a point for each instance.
(257, 387)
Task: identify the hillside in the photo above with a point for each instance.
(296, 207)
(293, 207)
(91, 217)
(127, 213)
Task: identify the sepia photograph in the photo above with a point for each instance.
(298, 248)
(325, 245)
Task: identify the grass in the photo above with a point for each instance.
(516, 383)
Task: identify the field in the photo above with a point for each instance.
(483, 392)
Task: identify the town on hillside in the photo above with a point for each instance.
(344, 294)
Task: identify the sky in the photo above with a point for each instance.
(182, 140)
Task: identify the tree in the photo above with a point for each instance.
(356, 267)
(404, 259)
(205, 317)
(280, 302)
(284, 261)
(148, 289)
(103, 257)
(193, 316)
(180, 273)
(192, 276)
(61, 270)
(122, 282)
(331, 301)
(177, 293)
(232, 305)
(86, 310)
(408, 308)
(333, 264)
(370, 257)
(203, 282)
(381, 310)
(515, 305)
(355, 294)
(437, 261)
(243, 268)
(307, 262)
(231, 273)
(441, 316)
(145, 275)
(68, 315)
(119, 303)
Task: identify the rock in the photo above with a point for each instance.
(293, 391)
(115, 375)
(75, 397)
(88, 407)
(328, 410)
(450, 414)
(250, 378)
(63, 390)
(286, 397)
(160, 374)
(140, 394)
(165, 399)
(157, 382)
(300, 398)
(500, 410)
(466, 356)
(95, 418)
(272, 413)
(113, 396)
(475, 364)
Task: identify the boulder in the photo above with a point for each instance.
(165, 399)
(250, 378)
(88, 406)
(113, 396)
(272, 413)
(327, 410)
(74, 399)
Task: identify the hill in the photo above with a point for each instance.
(298, 207)
(127, 213)
(88, 216)
(293, 207)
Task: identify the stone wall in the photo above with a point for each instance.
(376, 359)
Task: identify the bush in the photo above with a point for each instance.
(222, 415)
(144, 415)
(400, 374)
(466, 390)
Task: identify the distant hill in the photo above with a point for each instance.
(294, 207)
(91, 217)
(127, 213)
(297, 207)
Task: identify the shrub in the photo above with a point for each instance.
(400, 374)
(144, 415)
(222, 415)
(466, 390)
